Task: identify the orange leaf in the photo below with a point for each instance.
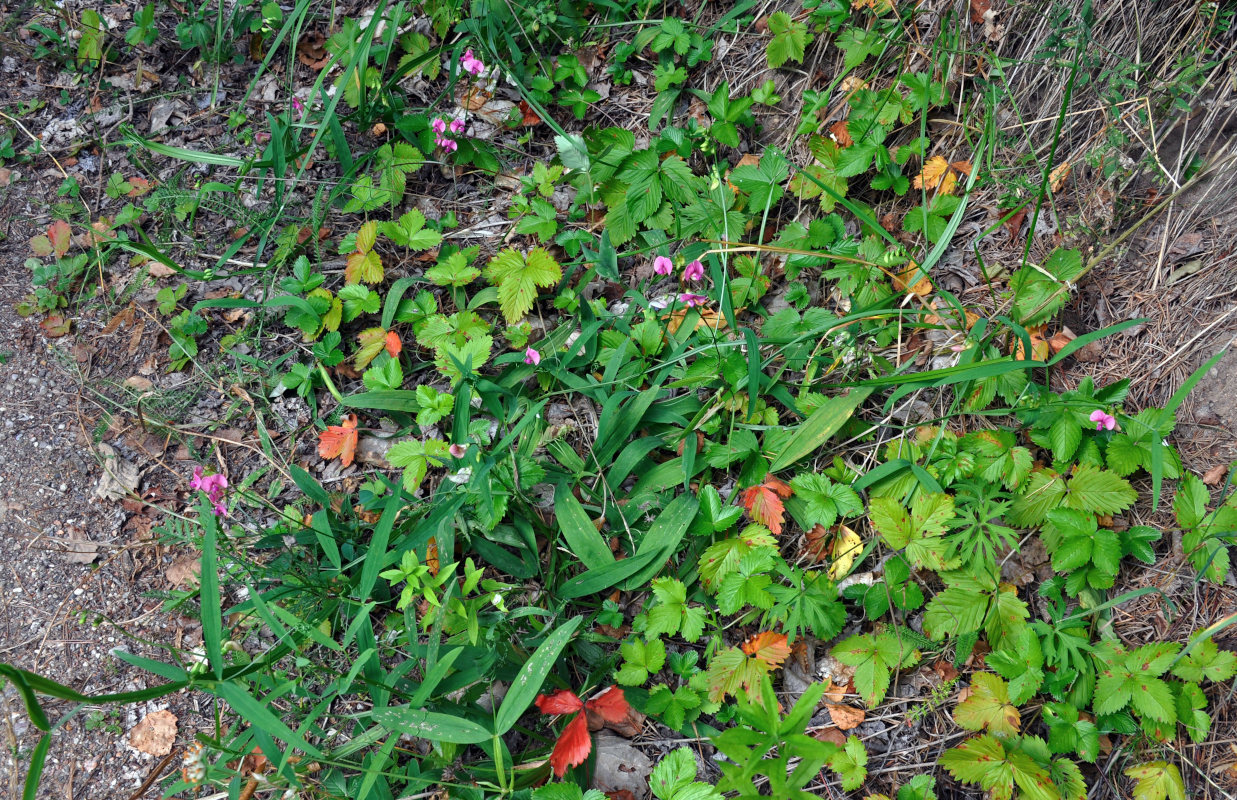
(339, 440)
(59, 234)
(561, 702)
(610, 704)
(431, 556)
(1057, 178)
(394, 345)
(767, 647)
(933, 170)
(572, 747)
(841, 133)
(845, 717)
(764, 503)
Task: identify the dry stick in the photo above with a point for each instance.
(1115, 243)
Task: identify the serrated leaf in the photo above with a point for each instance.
(1157, 780)
(988, 707)
(1103, 492)
(518, 277)
(790, 40)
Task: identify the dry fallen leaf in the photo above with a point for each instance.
(978, 9)
(835, 693)
(155, 734)
(311, 50)
(1057, 178)
(941, 175)
(840, 132)
(185, 571)
(845, 717)
(832, 735)
(1213, 476)
(901, 281)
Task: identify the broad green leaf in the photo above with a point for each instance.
(1157, 780)
(988, 707)
(528, 681)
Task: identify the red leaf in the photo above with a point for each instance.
(767, 647)
(561, 702)
(394, 345)
(610, 704)
(339, 440)
(573, 745)
(60, 235)
(764, 503)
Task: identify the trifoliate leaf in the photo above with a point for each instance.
(988, 707)
(1157, 780)
(790, 39)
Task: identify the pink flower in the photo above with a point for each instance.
(692, 300)
(471, 64)
(456, 126)
(663, 265)
(531, 356)
(213, 486)
(439, 125)
(449, 145)
(298, 106)
(694, 271)
(1103, 421)
(457, 450)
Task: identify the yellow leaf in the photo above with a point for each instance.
(1057, 178)
(933, 170)
(846, 547)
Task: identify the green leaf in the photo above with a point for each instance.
(531, 676)
(1206, 660)
(872, 656)
(410, 231)
(955, 610)
(432, 725)
(851, 764)
(1039, 292)
(1157, 780)
(583, 539)
(1068, 733)
(825, 421)
(1151, 697)
(825, 500)
(1097, 490)
(416, 457)
(790, 40)
(988, 707)
(640, 660)
(517, 278)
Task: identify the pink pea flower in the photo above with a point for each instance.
(456, 126)
(449, 145)
(693, 271)
(298, 106)
(471, 64)
(213, 486)
(1103, 421)
(663, 265)
(439, 125)
(457, 450)
(692, 300)
(531, 356)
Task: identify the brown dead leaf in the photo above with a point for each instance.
(185, 571)
(978, 9)
(528, 117)
(708, 319)
(965, 692)
(945, 671)
(845, 717)
(762, 25)
(1039, 345)
(253, 764)
(1057, 178)
(1014, 223)
(6, 176)
(1213, 476)
(840, 132)
(81, 551)
(311, 50)
(155, 734)
(832, 735)
(835, 693)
